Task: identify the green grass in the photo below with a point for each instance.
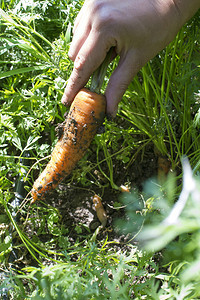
(160, 108)
(107, 269)
(161, 101)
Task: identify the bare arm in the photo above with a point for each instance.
(137, 29)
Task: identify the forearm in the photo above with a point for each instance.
(173, 15)
(186, 9)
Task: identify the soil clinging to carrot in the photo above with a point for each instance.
(78, 132)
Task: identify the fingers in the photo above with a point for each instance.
(79, 38)
(119, 81)
(88, 59)
(78, 19)
(80, 33)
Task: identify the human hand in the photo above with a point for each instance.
(137, 29)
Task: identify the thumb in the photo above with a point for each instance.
(88, 59)
(119, 81)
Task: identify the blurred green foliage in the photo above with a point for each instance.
(160, 107)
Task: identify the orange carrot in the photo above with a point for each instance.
(84, 118)
(86, 114)
(101, 213)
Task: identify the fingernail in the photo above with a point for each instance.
(70, 54)
(109, 117)
(111, 114)
(64, 100)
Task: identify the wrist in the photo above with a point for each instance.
(186, 9)
(175, 13)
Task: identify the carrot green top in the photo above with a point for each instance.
(99, 74)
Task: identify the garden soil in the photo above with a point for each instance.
(75, 202)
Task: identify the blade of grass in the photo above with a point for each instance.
(23, 70)
(27, 34)
(31, 246)
(20, 233)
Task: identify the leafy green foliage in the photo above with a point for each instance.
(161, 106)
(161, 102)
(174, 229)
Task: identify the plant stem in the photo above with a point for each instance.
(99, 74)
